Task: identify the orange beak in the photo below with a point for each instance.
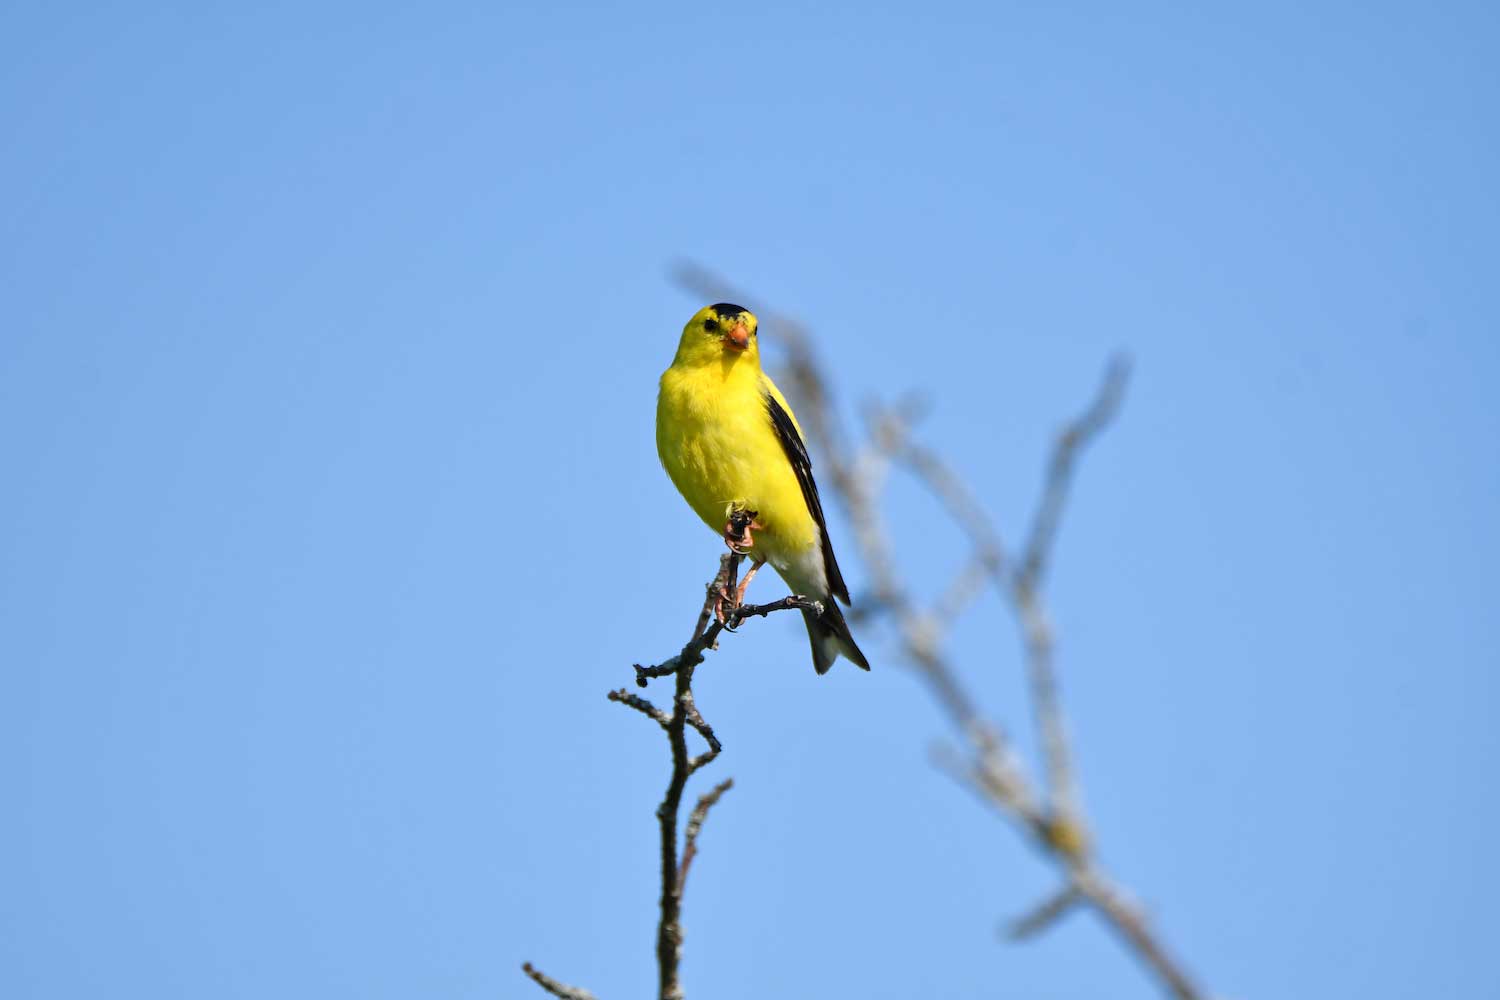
(737, 338)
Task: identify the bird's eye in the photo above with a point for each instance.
(710, 325)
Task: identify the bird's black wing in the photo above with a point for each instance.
(796, 453)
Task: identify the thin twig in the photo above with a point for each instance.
(635, 701)
(1044, 914)
(704, 730)
(718, 585)
(554, 987)
(706, 801)
(1070, 443)
(739, 615)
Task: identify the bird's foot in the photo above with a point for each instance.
(726, 604)
(737, 533)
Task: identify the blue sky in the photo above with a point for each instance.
(328, 347)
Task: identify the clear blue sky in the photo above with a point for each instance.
(328, 347)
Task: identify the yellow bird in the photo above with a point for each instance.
(734, 451)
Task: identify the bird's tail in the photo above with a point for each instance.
(829, 636)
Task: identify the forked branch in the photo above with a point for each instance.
(684, 715)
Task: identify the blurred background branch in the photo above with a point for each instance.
(1048, 809)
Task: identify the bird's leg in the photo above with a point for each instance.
(725, 583)
(734, 602)
(737, 536)
(737, 532)
(739, 595)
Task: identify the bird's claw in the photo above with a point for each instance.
(722, 599)
(734, 601)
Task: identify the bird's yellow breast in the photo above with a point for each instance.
(716, 440)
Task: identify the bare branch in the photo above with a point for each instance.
(705, 730)
(1132, 927)
(641, 705)
(1074, 438)
(554, 987)
(1035, 625)
(707, 638)
(791, 602)
(706, 801)
(891, 432)
(685, 714)
(718, 615)
(995, 777)
(728, 564)
(669, 928)
(696, 721)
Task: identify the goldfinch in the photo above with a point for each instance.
(733, 449)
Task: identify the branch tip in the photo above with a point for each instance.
(554, 987)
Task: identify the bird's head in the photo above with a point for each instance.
(723, 333)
